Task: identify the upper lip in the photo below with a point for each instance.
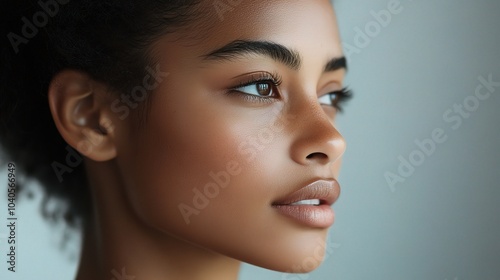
(327, 191)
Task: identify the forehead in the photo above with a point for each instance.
(297, 24)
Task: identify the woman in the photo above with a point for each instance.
(187, 136)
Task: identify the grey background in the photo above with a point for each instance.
(443, 221)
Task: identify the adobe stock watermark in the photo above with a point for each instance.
(122, 105)
(255, 144)
(454, 117)
(73, 159)
(249, 148)
(311, 262)
(211, 190)
(364, 36)
(121, 276)
(222, 7)
(12, 222)
(31, 27)
(139, 93)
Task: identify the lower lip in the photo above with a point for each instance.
(321, 216)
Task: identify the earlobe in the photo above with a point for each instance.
(77, 104)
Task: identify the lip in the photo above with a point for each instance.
(322, 215)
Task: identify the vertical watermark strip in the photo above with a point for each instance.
(11, 218)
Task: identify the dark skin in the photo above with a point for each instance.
(140, 175)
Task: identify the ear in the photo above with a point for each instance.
(78, 106)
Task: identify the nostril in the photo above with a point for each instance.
(321, 148)
(317, 156)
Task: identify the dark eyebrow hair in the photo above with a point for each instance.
(238, 48)
(336, 64)
(275, 51)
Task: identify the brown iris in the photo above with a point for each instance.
(264, 89)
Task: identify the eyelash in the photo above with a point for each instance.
(341, 96)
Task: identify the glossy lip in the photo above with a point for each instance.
(319, 216)
(327, 191)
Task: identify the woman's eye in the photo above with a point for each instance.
(336, 98)
(328, 99)
(260, 89)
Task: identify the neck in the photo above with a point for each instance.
(117, 245)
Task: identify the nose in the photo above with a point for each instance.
(316, 141)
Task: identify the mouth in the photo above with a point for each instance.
(311, 205)
(314, 202)
(321, 192)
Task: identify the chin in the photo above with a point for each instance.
(289, 255)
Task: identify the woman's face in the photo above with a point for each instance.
(217, 151)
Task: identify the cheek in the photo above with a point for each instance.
(199, 163)
(178, 152)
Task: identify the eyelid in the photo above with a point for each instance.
(257, 77)
(329, 88)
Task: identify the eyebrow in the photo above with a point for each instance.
(335, 64)
(278, 52)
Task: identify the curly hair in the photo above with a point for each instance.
(106, 39)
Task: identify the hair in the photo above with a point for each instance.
(106, 39)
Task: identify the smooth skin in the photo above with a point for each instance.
(144, 173)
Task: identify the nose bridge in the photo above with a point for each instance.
(315, 137)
